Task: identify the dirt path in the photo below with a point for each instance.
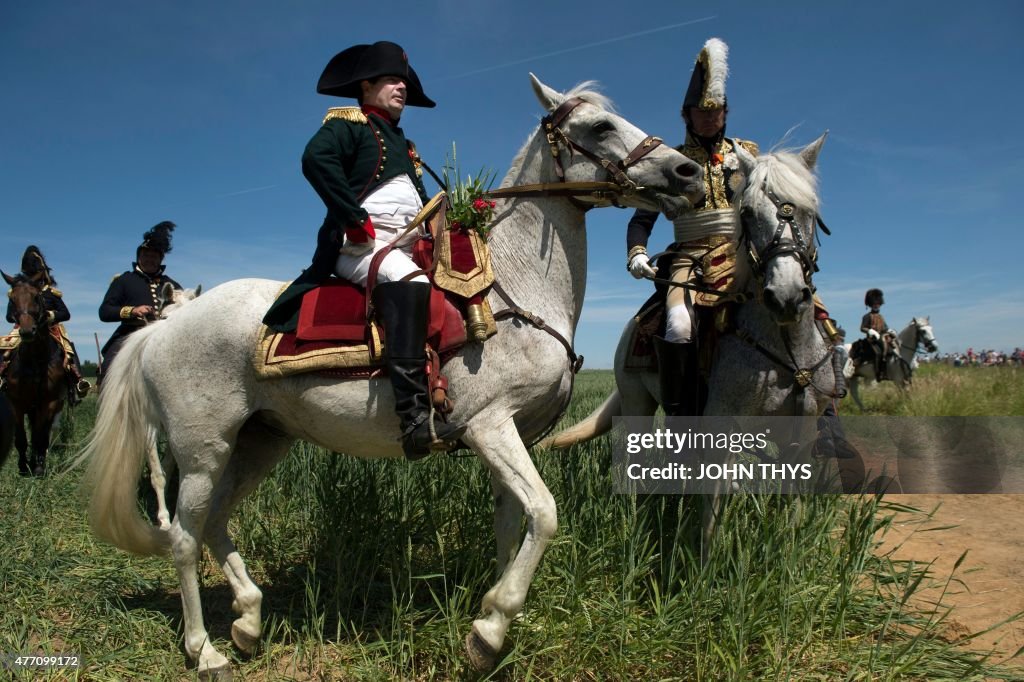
(991, 529)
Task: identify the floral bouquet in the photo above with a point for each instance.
(468, 207)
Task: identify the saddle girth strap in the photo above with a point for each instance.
(575, 361)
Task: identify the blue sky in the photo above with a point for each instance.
(120, 114)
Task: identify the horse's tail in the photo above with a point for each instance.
(597, 423)
(118, 442)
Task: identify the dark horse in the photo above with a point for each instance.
(36, 379)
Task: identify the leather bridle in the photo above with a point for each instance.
(605, 193)
(805, 251)
(39, 316)
(799, 247)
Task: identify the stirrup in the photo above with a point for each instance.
(82, 388)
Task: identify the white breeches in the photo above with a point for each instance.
(395, 266)
(391, 207)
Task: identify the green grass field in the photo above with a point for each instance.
(375, 570)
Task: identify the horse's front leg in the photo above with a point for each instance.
(512, 473)
(508, 525)
(21, 443)
(42, 427)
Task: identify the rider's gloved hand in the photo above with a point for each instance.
(359, 240)
(873, 334)
(639, 265)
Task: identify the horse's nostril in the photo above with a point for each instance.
(686, 170)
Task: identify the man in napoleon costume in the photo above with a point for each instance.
(35, 269)
(133, 297)
(705, 239)
(368, 175)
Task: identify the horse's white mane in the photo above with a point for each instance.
(787, 176)
(588, 92)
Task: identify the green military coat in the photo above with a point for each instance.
(353, 153)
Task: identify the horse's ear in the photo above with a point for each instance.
(7, 278)
(746, 159)
(549, 98)
(810, 153)
(167, 293)
(199, 290)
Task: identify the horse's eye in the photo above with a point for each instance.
(604, 127)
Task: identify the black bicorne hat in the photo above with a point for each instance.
(707, 82)
(34, 267)
(158, 238)
(347, 69)
(874, 297)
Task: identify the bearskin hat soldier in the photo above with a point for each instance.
(133, 297)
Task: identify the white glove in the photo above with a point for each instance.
(355, 250)
(873, 334)
(640, 266)
(892, 333)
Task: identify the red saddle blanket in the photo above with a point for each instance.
(333, 335)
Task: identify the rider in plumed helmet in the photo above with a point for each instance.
(705, 238)
(133, 297)
(369, 177)
(35, 269)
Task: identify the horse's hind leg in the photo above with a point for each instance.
(512, 472)
(257, 451)
(202, 462)
(158, 479)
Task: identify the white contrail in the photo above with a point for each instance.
(245, 191)
(577, 48)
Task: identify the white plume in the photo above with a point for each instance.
(717, 70)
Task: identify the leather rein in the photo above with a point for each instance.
(605, 193)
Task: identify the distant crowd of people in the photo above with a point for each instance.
(971, 357)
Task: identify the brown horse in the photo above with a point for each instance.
(36, 379)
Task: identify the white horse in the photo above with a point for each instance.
(778, 363)
(754, 372)
(192, 376)
(900, 358)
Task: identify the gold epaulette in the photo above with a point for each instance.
(350, 114)
(56, 292)
(748, 145)
(114, 277)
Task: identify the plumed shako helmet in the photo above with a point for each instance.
(157, 238)
(873, 298)
(707, 82)
(348, 68)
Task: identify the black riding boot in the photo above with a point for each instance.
(401, 308)
(679, 376)
(78, 387)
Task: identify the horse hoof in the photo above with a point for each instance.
(482, 657)
(219, 674)
(39, 471)
(245, 642)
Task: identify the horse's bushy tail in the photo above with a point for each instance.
(118, 442)
(597, 423)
